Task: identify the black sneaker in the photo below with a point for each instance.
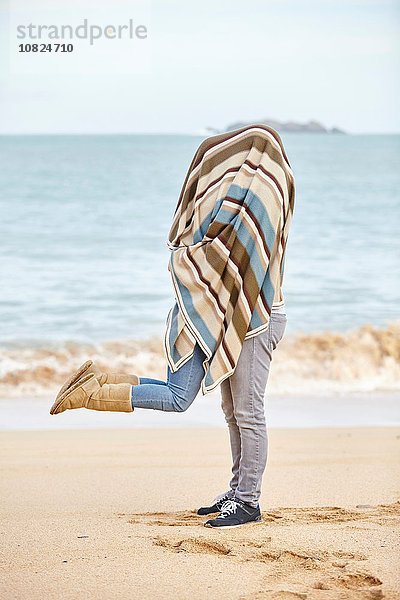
(217, 503)
(235, 512)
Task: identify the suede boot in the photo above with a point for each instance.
(89, 367)
(88, 393)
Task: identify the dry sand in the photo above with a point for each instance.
(109, 514)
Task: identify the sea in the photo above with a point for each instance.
(83, 230)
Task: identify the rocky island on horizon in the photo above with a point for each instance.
(283, 126)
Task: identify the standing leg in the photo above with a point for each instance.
(248, 384)
(234, 432)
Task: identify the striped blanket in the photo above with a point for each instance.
(227, 242)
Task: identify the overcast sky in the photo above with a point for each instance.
(215, 62)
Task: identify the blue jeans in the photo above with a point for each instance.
(242, 403)
(177, 393)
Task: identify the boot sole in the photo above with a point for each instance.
(74, 378)
(54, 409)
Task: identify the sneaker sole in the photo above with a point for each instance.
(255, 522)
(215, 512)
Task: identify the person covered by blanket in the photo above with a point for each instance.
(227, 239)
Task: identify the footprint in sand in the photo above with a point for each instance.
(321, 571)
(171, 519)
(316, 571)
(349, 555)
(290, 559)
(283, 568)
(358, 580)
(193, 545)
(279, 595)
(382, 513)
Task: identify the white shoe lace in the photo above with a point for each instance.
(223, 497)
(228, 508)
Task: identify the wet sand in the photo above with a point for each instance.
(106, 514)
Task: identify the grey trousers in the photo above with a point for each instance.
(243, 406)
(242, 403)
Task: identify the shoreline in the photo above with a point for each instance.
(100, 513)
(282, 411)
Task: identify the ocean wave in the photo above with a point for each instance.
(365, 359)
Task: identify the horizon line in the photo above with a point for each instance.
(189, 134)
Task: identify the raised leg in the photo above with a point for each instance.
(143, 380)
(177, 393)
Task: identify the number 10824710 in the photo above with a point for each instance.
(45, 48)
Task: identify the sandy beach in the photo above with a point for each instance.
(172, 174)
(110, 514)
